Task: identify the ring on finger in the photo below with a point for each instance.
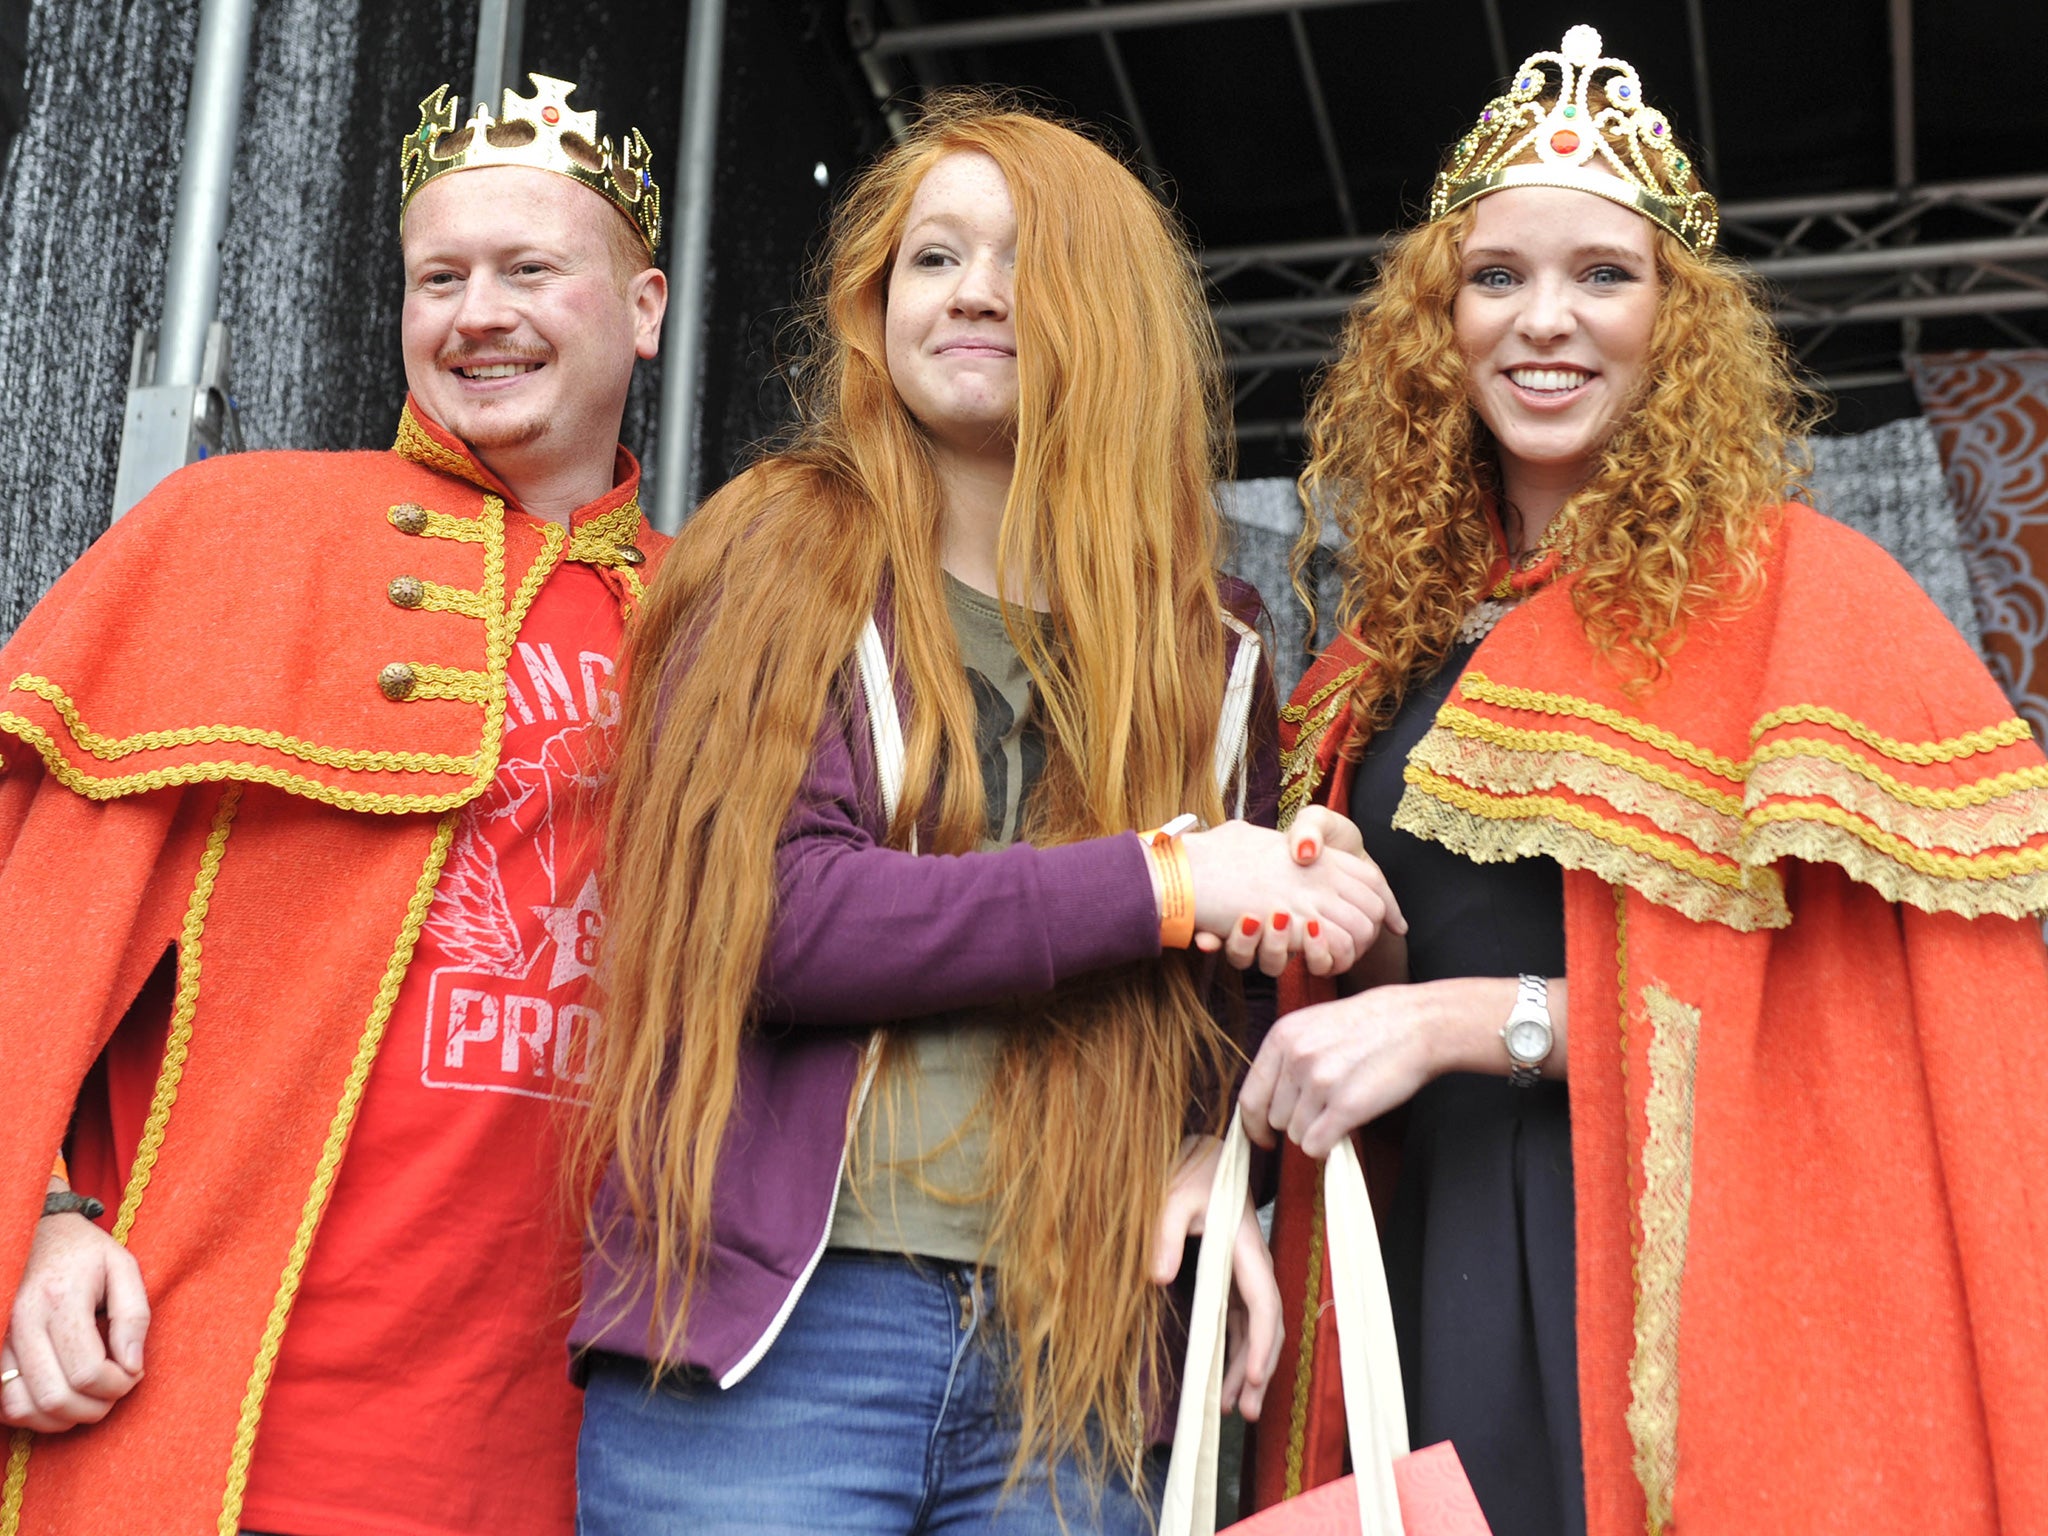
(9, 1376)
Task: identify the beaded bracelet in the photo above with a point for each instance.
(1169, 857)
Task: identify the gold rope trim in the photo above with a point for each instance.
(1305, 1350)
(432, 682)
(1487, 829)
(72, 778)
(110, 749)
(1507, 773)
(1975, 826)
(599, 541)
(1969, 833)
(444, 525)
(1577, 818)
(1476, 685)
(1300, 772)
(18, 1446)
(1463, 722)
(414, 443)
(1824, 840)
(178, 1044)
(1666, 1207)
(177, 1047)
(2012, 783)
(1950, 866)
(501, 630)
(324, 1175)
(436, 598)
(2007, 733)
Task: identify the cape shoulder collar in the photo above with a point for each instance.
(336, 625)
(1837, 718)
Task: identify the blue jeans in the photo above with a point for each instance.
(880, 1408)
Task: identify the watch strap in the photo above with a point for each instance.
(1532, 1001)
(62, 1202)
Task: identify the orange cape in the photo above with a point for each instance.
(1808, 1051)
(198, 756)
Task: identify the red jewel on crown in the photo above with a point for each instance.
(1564, 142)
(550, 116)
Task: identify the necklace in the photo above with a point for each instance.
(1528, 571)
(1479, 623)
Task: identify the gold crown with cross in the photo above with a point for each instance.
(541, 131)
(1619, 147)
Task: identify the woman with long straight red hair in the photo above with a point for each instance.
(911, 1042)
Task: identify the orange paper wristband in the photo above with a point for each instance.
(62, 1170)
(1176, 888)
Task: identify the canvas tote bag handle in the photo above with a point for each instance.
(1376, 1419)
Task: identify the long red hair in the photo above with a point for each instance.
(1110, 515)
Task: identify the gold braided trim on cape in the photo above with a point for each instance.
(2011, 884)
(2007, 733)
(416, 444)
(485, 688)
(1665, 1211)
(1490, 829)
(1305, 1351)
(2005, 811)
(1974, 848)
(603, 540)
(109, 749)
(1300, 766)
(324, 1175)
(1477, 685)
(1506, 761)
(157, 1123)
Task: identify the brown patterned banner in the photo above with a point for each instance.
(1989, 411)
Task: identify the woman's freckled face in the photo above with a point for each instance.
(950, 327)
(1555, 308)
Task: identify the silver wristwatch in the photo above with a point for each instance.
(1527, 1033)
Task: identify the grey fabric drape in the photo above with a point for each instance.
(310, 270)
(1887, 484)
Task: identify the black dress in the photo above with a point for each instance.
(1479, 1243)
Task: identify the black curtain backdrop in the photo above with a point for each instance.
(310, 268)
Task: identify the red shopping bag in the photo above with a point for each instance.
(1436, 1500)
(1392, 1491)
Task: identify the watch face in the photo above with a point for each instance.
(1528, 1040)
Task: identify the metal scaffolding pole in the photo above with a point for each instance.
(1081, 23)
(1232, 258)
(164, 427)
(500, 30)
(689, 272)
(1780, 269)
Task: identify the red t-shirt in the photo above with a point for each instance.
(422, 1386)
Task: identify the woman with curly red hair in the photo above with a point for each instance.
(1707, 1077)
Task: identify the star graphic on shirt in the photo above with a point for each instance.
(576, 930)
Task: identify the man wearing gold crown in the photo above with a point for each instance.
(296, 856)
(1719, 1032)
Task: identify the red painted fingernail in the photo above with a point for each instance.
(1280, 921)
(1315, 929)
(1250, 926)
(1305, 849)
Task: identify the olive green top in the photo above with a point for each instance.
(920, 1148)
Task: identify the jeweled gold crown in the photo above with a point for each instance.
(541, 131)
(1623, 150)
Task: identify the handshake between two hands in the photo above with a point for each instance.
(1262, 896)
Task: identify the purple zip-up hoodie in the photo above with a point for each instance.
(864, 935)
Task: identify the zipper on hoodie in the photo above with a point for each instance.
(761, 1346)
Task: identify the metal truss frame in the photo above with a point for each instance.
(1858, 262)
